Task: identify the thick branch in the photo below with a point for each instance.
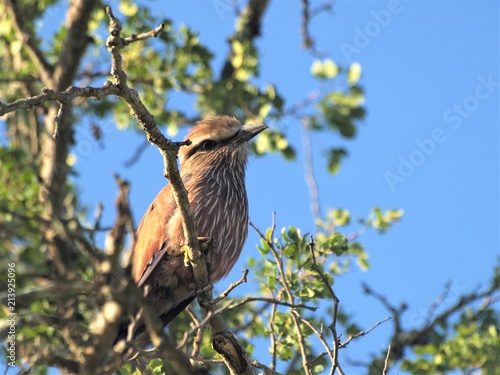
(402, 339)
(29, 41)
(71, 93)
(248, 29)
(75, 44)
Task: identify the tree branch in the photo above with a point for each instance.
(75, 43)
(248, 29)
(67, 96)
(309, 171)
(224, 342)
(386, 362)
(29, 41)
(363, 333)
(336, 301)
(270, 301)
(307, 15)
(231, 287)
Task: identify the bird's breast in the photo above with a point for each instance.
(220, 209)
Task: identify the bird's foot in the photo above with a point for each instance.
(206, 244)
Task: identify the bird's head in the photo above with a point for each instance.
(218, 139)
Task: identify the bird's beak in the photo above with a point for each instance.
(247, 132)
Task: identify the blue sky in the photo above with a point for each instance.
(429, 144)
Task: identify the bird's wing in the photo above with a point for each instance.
(149, 246)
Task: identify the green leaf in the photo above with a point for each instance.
(338, 243)
(326, 69)
(264, 110)
(128, 9)
(335, 157)
(289, 251)
(393, 215)
(341, 217)
(330, 69)
(363, 262)
(354, 73)
(317, 69)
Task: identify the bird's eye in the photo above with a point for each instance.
(207, 145)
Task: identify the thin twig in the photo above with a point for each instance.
(283, 280)
(363, 333)
(137, 154)
(199, 333)
(336, 301)
(307, 15)
(272, 301)
(29, 295)
(274, 341)
(320, 336)
(302, 342)
(309, 172)
(267, 370)
(198, 325)
(307, 101)
(231, 288)
(386, 362)
(57, 120)
(150, 34)
(438, 301)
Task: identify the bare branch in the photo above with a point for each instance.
(307, 15)
(267, 370)
(320, 336)
(307, 41)
(137, 154)
(309, 171)
(270, 301)
(29, 40)
(386, 362)
(274, 339)
(333, 325)
(71, 93)
(363, 333)
(115, 240)
(76, 287)
(284, 281)
(231, 287)
(150, 34)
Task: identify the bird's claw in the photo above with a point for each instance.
(187, 260)
(206, 244)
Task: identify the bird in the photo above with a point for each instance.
(212, 168)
